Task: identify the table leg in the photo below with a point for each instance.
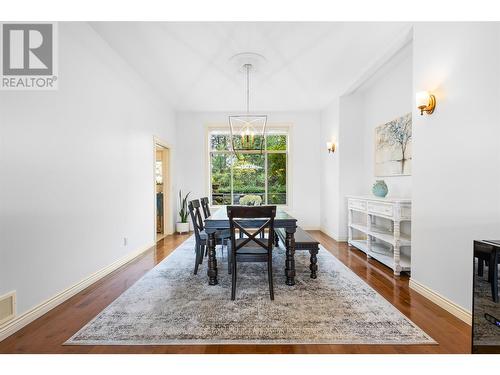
(212, 260)
(397, 249)
(314, 263)
(290, 260)
(480, 267)
(493, 266)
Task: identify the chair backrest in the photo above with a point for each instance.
(194, 212)
(238, 215)
(205, 206)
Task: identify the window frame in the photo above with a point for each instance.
(284, 129)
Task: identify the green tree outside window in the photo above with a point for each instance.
(254, 173)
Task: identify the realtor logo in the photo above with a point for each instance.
(28, 60)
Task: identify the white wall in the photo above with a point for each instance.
(351, 155)
(305, 151)
(330, 171)
(455, 181)
(456, 165)
(76, 170)
(341, 173)
(386, 96)
(350, 121)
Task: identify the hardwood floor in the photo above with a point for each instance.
(46, 334)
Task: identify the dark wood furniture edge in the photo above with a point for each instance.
(303, 241)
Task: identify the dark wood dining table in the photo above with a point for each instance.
(219, 220)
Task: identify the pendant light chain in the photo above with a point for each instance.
(244, 127)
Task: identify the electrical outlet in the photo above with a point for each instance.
(125, 241)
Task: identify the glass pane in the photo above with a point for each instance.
(242, 143)
(249, 177)
(276, 181)
(276, 142)
(220, 142)
(221, 178)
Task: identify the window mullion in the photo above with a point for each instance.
(266, 178)
(210, 156)
(232, 184)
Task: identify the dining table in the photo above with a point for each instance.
(220, 221)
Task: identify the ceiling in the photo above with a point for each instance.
(307, 64)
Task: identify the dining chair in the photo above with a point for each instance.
(223, 234)
(199, 233)
(251, 248)
(488, 254)
(205, 206)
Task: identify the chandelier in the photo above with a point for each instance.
(247, 130)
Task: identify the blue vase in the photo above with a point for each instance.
(380, 189)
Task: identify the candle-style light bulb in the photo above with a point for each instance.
(422, 99)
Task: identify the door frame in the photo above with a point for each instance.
(167, 187)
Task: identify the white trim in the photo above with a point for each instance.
(310, 227)
(441, 301)
(406, 37)
(12, 296)
(168, 226)
(335, 236)
(29, 316)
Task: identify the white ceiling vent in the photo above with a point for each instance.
(7, 307)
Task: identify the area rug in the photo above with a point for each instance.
(172, 306)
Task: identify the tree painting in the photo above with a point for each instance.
(393, 147)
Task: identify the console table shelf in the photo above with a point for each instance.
(381, 242)
(383, 254)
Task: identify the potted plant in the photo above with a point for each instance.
(183, 225)
(251, 200)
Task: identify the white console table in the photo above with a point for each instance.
(379, 221)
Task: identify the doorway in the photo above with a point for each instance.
(163, 225)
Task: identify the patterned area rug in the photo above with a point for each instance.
(169, 305)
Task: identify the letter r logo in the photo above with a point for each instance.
(27, 49)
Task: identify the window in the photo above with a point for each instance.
(263, 174)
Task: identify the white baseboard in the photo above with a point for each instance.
(441, 301)
(19, 322)
(335, 236)
(311, 228)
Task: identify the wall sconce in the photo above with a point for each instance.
(425, 102)
(331, 147)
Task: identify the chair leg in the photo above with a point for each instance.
(270, 276)
(202, 249)
(233, 280)
(490, 271)
(197, 258)
(494, 276)
(229, 264)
